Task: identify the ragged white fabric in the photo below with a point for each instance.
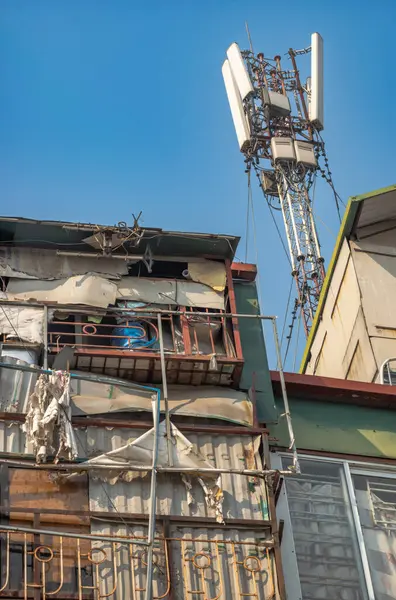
(48, 420)
(140, 452)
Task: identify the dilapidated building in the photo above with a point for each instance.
(134, 397)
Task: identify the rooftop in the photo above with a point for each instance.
(19, 231)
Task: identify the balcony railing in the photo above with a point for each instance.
(200, 346)
(64, 565)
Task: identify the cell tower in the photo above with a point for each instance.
(278, 119)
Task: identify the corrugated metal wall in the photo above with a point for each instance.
(216, 563)
(12, 438)
(244, 498)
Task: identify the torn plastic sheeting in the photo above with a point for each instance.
(140, 452)
(169, 291)
(35, 263)
(26, 324)
(48, 420)
(210, 273)
(16, 386)
(92, 398)
(90, 290)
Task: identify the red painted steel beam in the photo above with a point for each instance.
(328, 389)
(245, 271)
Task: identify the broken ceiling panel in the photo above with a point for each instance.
(210, 272)
(26, 324)
(165, 291)
(33, 263)
(92, 398)
(90, 290)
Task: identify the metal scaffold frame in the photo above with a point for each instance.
(154, 469)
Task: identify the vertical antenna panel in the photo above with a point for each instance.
(238, 115)
(239, 71)
(316, 113)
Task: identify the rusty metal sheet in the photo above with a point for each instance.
(215, 563)
(33, 263)
(244, 497)
(91, 290)
(195, 401)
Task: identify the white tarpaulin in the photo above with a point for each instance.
(210, 273)
(90, 398)
(165, 291)
(33, 263)
(140, 453)
(91, 290)
(18, 322)
(48, 419)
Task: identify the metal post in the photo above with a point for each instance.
(359, 532)
(292, 446)
(165, 390)
(45, 357)
(153, 499)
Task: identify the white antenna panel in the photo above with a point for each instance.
(316, 106)
(239, 71)
(241, 123)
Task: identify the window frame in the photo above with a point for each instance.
(350, 468)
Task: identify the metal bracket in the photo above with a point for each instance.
(148, 258)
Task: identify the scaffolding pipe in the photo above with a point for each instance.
(165, 390)
(80, 536)
(87, 466)
(153, 499)
(92, 377)
(144, 311)
(292, 440)
(45, 335)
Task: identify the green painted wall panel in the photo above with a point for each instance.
(347, 429)
(254, 352)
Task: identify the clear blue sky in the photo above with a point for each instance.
(112, 107)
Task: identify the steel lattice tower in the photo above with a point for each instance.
(278, 122)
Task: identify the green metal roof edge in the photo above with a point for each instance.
(345, 229)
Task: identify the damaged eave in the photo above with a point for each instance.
(48, 234)
(328, 389)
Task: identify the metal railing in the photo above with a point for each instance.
(59, 566)
(387, 372)
(188, 332)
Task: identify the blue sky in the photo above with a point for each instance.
(112, 107)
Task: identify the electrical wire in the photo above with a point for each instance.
(255, 244)
(286, 312)
(270, 207)
(297, 341)
(289, 337)
(247, 216)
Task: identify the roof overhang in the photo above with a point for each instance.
(19, 231)
(336, 391)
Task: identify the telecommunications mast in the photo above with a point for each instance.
(278, 120)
